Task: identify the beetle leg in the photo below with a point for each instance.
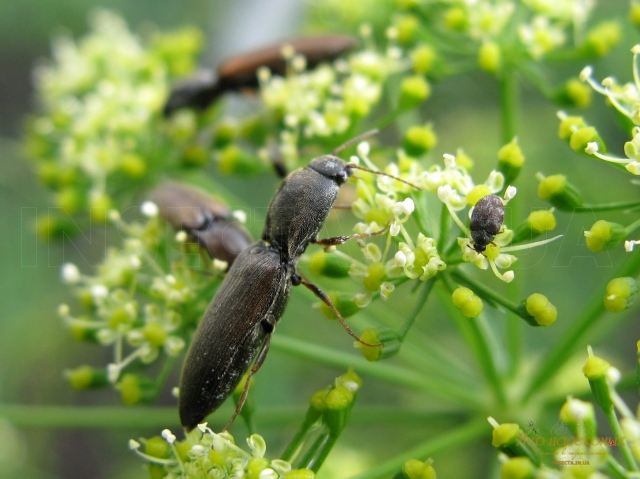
(256, 367)
(336, 240)
(326, 300)
(338, 206)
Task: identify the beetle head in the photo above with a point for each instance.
(332, 167)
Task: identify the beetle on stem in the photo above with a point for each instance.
(237, 326)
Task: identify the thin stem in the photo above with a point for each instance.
(422, 300)
(453, 439)
(323, 453)
(297, 439)
(625, 450)
(484, 292)
(383, 371)
(508, 103)
(621, 205)
(579, 328)
(483, 345)
(632, 227)
(307, 460)
(164, 373)
(614, 468)
(445, 227)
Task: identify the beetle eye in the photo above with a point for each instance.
(342, 176)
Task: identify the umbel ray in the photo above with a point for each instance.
(237, 325)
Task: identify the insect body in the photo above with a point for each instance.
(204, 218)
(237, 325)
(240, 72)
(486, 221)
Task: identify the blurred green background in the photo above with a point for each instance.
(35, 347)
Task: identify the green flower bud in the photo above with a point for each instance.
(195, 155)
(634, 13)
(466, 301)
(413, 91)
(349, 377)
(455, 18)
(415, 469)
(602, 38)
(536, 223)
(580, 417)
(595, 370)
(86, 377)
(621, 293)
(583, 136)
(390, 340)
(300, 474)
(538, 311)
(509, 439)
(419, 140)
(423, 58)
(464, 160)
(156, 446)
(133, 166)
(510, 161)
(338, 401)
(70, 200)
(254, 129)
(559, 192)
(136, 389)
(375, 277)
(604, 235)
(226, 131)
(317, 406)
(217, 458)
(80, 332)
(407, 26)
(233, 160)
(343, 302)
(574, 93)
(568, 124)
(518, 468)
(99, 207)
(156, 471)
(477, 193)
(155, 333)
(329, 264)
(489, 57)
(256, 466)
(183, 448)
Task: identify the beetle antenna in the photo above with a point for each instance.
(358, 138)
(358, 167)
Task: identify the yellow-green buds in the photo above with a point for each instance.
(157, 447)
(536, 223)
(415, 469)
(595, 370)
(343, 302)
(338, 408)
(419, 140)
(136, 389)
(489, 56)
(517, 468)
(86, 377)
(413, 91)
(133, 166)
(574, 93)
(557, 190)
(477, 193)
(466, 301)
(226, 131)
(390, 346)
(407, 26)
(511, 440)
(233, 160)
(604, 235)
(510, 161)
(375, 277)
(634, 13)
(568, 124)
(538, 311)
(256, 466)
(195, 155)
(455, 18)
(423, 58)
(329, 264)
(580, 417)
(603, 37)
(621, 293)
(581, 137)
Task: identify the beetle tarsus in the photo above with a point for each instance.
(336, 240)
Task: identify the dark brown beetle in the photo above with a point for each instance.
(486, 221)
(204, 218)
(237, 326)
(240, 72)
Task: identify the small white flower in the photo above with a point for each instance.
(135, 261)
(401, 258)
(114, 216)
(149, 209)
(449, 160)
(70, 273)
(386, 289)
(240, 216)
(592, 147)
(363, 149)
(613, 375)
(510, 193)
(99, 291)
(113, 372)
(219, 265)
(394, 229)
(133, 445)
(63, 310)
(181, 237)
(629, 245)
(508, 276)
(168, 435)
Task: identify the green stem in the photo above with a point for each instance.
(632, 227)
(323, 453)
(508, 103)
(164, 373)
(307, 460)
(484, 292)
(422, 300)
(296, 441)
(573, 338)
(445, 227)
(454, 439)
(614, 469)
(483, 345)
(382, 371)
(625, 450)
(621, 205)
